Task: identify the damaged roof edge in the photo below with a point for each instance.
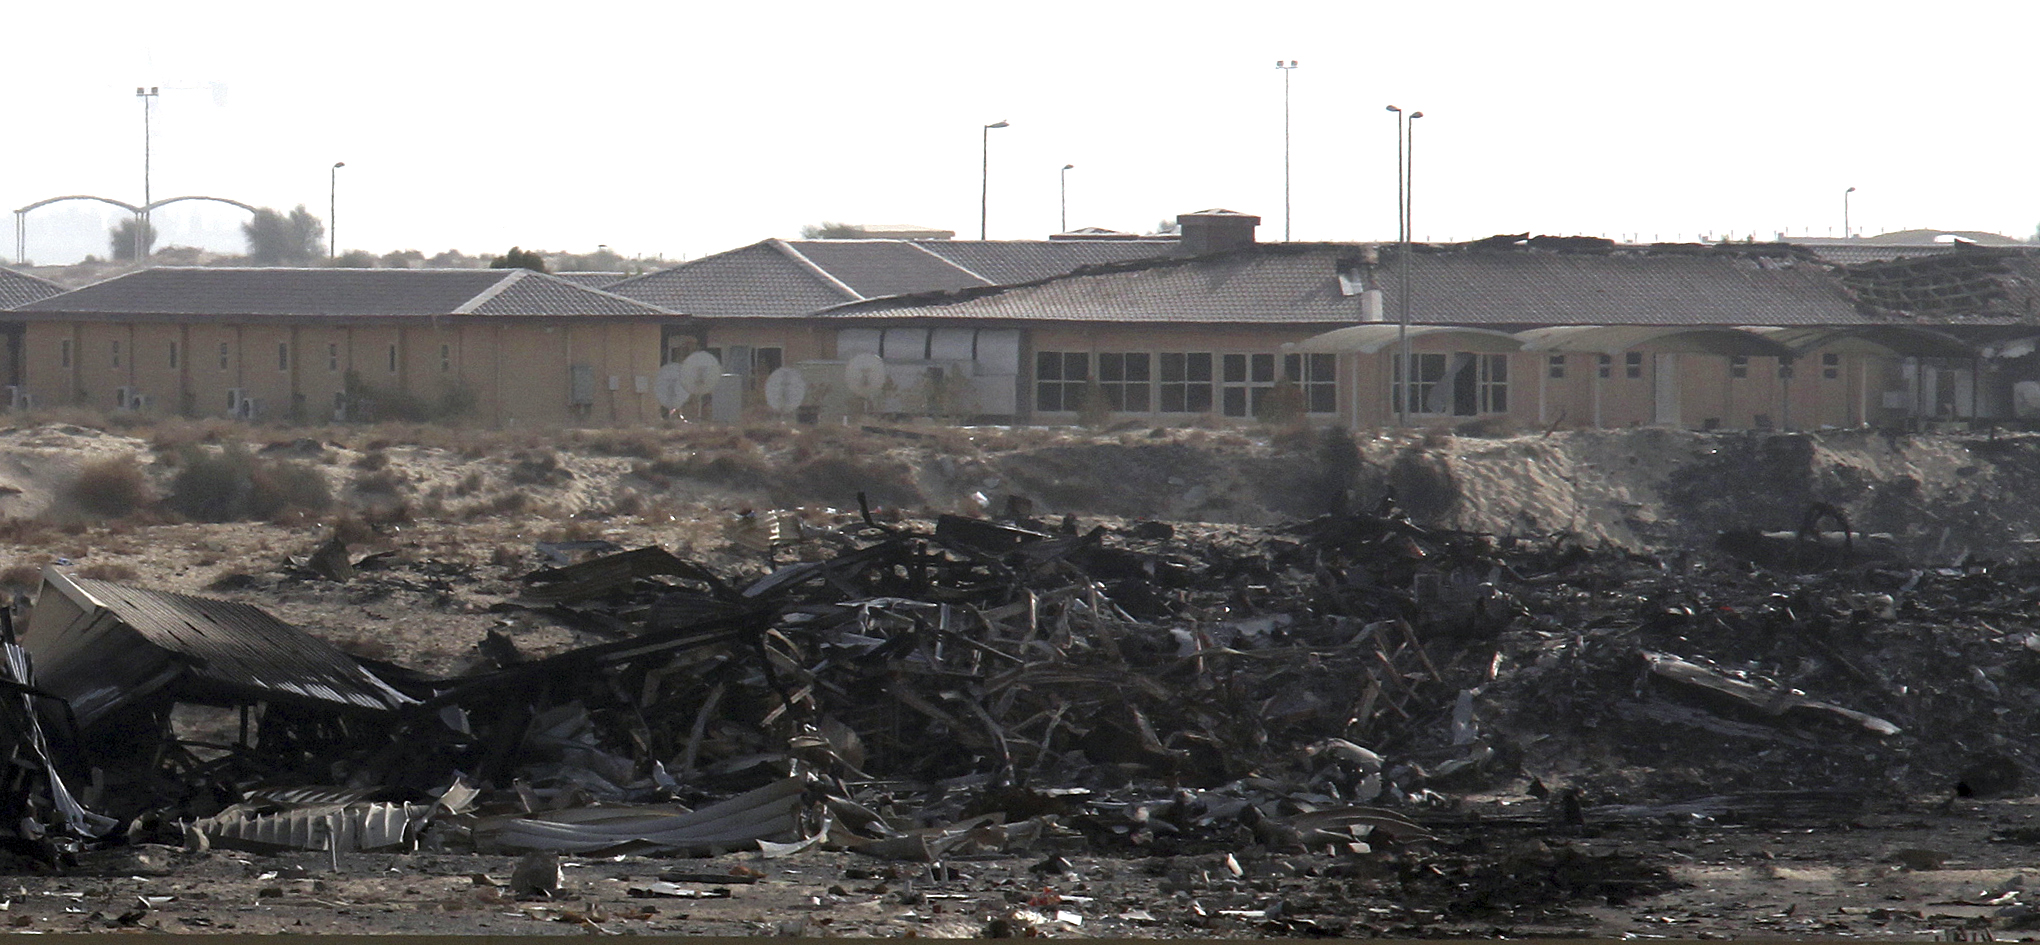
(108, 645)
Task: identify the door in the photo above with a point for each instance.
(1665, 394)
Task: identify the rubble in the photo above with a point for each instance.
(1354, 691)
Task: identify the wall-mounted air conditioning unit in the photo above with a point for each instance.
(249, 409)
(120, 397)
(234, 396)
(138, 402)
(18, 397)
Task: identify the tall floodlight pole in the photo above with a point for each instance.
(985, 179)
(1066, 197)
(1402, 251)
(147, 95)
(1286, 68)
(333, 210)
(1845, 211)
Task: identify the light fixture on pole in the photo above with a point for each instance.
(147, 95)
(333, 210)
(985, 179)
(1845, 211)
(1403, 384)
(1286, 68)
(1066, 197)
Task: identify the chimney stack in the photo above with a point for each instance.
(1216, 231)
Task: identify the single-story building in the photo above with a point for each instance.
(500, 346)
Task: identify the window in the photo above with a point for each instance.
(1555, 366)
(1632, 364)
(1059, 380)
(393, 359)
(1738, 366)
(1831, 366)
(446, 359)
(1127, 381)
(64, 352)
(1494, 383)
(1244, 381)
(332, 357)
(1185, 383)
(766, 360)
(1606, 365)
(1785, 371)
(173, 355)
(116, 354)
(223, 355)
(283, 355)
(1428, 370)
(1317, 379)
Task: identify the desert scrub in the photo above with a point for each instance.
(114, 487)
(231, 484)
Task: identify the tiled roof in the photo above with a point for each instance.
(339, 292)
(762, 280)
(592, 280)
(878, 268)
(1006, 262)
(19, 288)
(1298, 283)
(794, 278)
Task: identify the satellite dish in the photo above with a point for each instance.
(785, 389)
(672, 394)
(865, 376)
(699, 372)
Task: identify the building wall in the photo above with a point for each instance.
(1260, 347)
(506, 372)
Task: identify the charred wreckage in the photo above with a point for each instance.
(916, 691)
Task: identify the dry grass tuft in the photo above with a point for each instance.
(231, 484)
(114, 487)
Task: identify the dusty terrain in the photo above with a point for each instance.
(456, 517)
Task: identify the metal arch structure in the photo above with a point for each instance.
(21, 219)
(141, 213)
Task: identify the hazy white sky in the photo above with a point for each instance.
(689, 128)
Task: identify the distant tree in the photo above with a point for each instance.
(275, 239)
(121, 239)
(454, 259)
(830, 230)
(520, 259)
(355, 259)
(1166, 227)
(403, 259)
(603, 259)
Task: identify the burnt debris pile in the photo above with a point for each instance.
(1353, 684)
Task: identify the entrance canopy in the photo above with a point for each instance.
(1615, 339)
(1904, 341)
(1373, 338)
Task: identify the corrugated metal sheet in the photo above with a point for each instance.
(102, 645)
(772, 812)
(357, 827)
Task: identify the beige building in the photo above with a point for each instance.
(1511, 332)
(495, 346)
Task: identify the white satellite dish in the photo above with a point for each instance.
(785, 389)
(865, 376)
(699, 372)
(672, 394)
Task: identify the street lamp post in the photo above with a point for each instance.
(1845, 211)
(1405, 161)
(1066, 197)
(985, 178)
(1286, 68)
(333, 210)
(147, 95)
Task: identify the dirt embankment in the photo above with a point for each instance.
(1645, 489)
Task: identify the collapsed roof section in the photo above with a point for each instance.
(103, 646)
